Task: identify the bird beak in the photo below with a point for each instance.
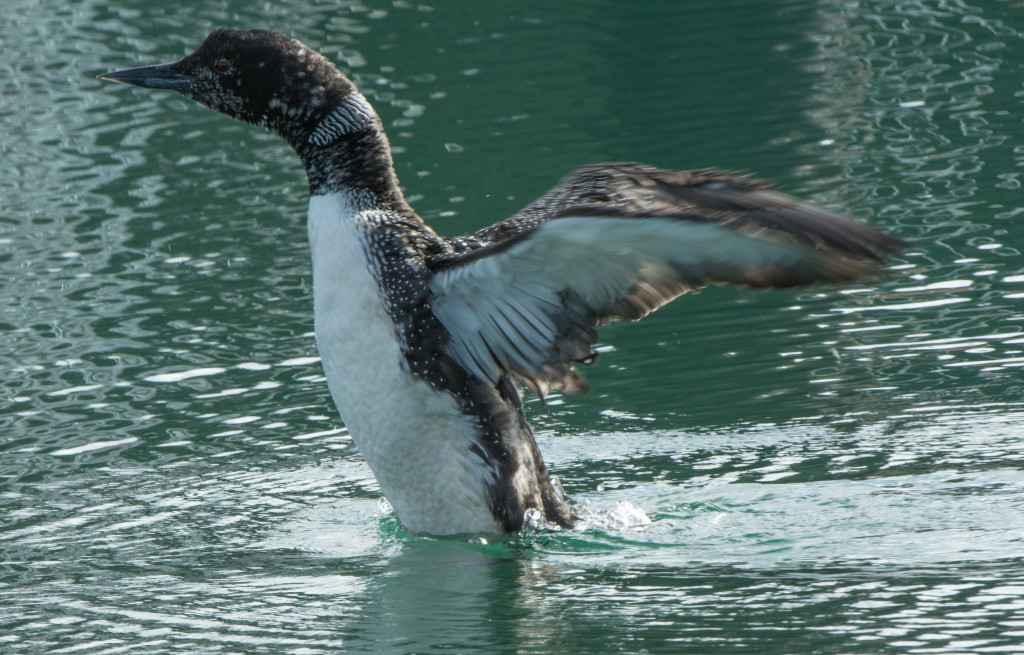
(152, 77)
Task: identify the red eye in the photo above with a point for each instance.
(222, 65)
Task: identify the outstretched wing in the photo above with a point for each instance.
(615, 242)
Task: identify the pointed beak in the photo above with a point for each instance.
(151, 77)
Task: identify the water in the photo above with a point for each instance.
(827, 470)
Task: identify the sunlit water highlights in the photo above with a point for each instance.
(824, 470)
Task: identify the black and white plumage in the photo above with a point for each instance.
(425, 340)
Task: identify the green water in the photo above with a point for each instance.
(820, 471)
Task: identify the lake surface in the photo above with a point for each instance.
(826, 470)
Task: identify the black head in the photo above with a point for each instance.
(260, 77)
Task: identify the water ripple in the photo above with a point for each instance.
(842, 465)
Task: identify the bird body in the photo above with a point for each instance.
(426, 340)
(365, 368)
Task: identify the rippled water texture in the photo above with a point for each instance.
(832, 470)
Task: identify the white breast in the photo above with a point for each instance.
(414, 437)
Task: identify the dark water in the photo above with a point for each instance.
(827, 470)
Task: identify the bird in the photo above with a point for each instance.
(428, 343)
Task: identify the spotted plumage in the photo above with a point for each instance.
(426, 340)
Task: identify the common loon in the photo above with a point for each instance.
(427, 340)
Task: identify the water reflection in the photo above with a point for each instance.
(932, 93)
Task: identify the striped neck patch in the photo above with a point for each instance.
(352, 115)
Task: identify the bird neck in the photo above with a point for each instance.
(343, 148)
(353, 163)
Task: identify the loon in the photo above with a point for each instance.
(427, 341)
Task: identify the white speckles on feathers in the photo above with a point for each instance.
(414, 438)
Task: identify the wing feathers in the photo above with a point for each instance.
(615, 242)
